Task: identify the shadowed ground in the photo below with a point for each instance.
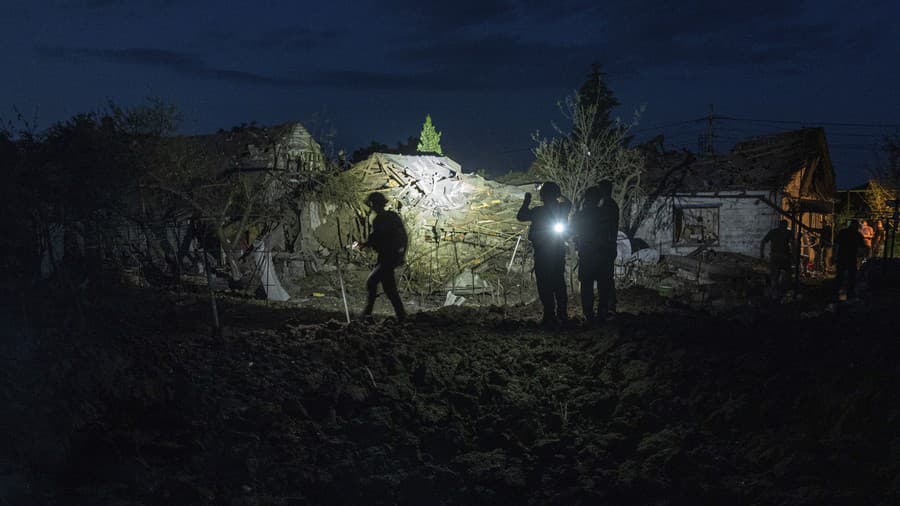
(665, 404)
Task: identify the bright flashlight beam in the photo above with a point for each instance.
(558, 228)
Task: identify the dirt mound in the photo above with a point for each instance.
(461, 405)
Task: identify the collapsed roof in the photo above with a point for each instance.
(287, 146)
(456, 221)
(436, 186)
(769, 162)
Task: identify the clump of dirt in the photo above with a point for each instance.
(459, 405)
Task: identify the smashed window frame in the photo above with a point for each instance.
(696, 224)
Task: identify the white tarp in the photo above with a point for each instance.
(267, 276)
(468, 283)
(623, 248)
(625, 255)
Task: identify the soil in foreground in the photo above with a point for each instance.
(464, 405)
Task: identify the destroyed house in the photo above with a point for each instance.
(287, 151)
(288, 146)
(463, 232)
(729, 201)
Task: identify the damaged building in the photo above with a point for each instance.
(464, 236)
(728, 202)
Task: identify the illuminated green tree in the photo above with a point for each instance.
(429, 139)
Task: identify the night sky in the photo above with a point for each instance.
(488, 71)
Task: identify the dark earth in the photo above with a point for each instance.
(665, 404)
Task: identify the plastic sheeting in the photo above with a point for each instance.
(626, 255)
(623, 248)
(267, 275)
(468, 283)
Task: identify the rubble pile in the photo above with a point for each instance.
(461, 226)
(707, 276)
(458, 406)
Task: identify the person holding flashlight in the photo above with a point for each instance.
(596, 229)
(547, 233)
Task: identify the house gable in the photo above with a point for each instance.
(729, 201)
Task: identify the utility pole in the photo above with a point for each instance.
(706, 142)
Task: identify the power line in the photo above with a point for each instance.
(848, 134)
(516, 150)
(820, 123)
(685, 137)
(852, 146)
(657, 127)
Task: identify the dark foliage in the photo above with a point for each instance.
(595, 91)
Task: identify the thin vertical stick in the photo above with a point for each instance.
(343, 291)
(513, 257)
(217, 330)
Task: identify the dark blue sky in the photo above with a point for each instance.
(488, 71)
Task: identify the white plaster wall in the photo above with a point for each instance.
(742, 223)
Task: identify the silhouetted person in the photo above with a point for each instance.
(827, 247)
(779, 256)
(389, 240)
(547, 235)
(847, 245)
(868, 233)
(596, 228)
(879, 239)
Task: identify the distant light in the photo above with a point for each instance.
(559, 228)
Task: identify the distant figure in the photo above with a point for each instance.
(547, 234)
(809, 245)
(827, 248)
(847, 245)
(879, 239)
(779, 257)
(389, 240)
(596, 228)
(868, 233)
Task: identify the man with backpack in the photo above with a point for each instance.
(389, 240)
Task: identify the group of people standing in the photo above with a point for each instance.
(873, 238)
(594, 227)
(854, 243)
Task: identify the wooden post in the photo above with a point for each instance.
(178, 274)
(216, 328)
(895, 217)
(513, 257)
(796, 254)
(337, 261)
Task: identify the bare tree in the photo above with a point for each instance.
(234, 193)
(584, 154)
(244, 183)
